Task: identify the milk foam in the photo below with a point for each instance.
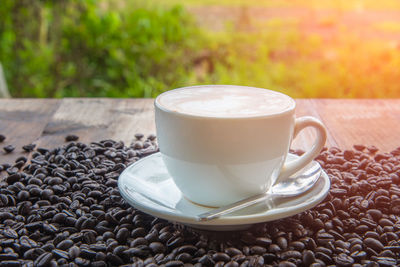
(225, 101)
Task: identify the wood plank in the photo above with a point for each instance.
(369, 122)
(120, 119)
(95, 119)
(22, 122)
(48, 121)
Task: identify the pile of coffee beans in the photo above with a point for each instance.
(62, 207)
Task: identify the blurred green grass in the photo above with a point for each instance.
(79, 48)
(117, 48)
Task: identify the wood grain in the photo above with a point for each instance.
(306, 138)
(370, 122)
(95, 119)
(22, 122)
(47, 121)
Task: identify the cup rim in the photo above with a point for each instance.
(291, 108)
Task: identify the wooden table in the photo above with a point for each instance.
(46, 122)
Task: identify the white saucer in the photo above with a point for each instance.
(147, 186)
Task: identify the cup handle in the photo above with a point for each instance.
(292, 167)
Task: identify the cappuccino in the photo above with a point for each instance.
(223, 143)
(223, 101)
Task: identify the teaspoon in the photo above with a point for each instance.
(289, 188)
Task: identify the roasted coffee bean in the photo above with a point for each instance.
(47, 193)
(308, 257)
(359, 255)
(13, 178)
(71, 137)
(69, 194)
(359, 147)
(257, 250)
(256, 261)
(9, 148)
(157, 247)
(5, 215)
(43, 260)
(2, 137)
(89, 223)
(240, 258)
(107, 235)
(343, 260)
(88, 254)
(122, 235)
(297, 245)
(291, 254)
(138, 242)
(139, 136)
(100, 256)
(184, 257)
(74, 252)
(118, 250)
(152, 236)
(60, 253)
(361, 229)
(282, 243)
(48, 247)
(82, 262)
(59, 218)
(219, 256)
(231, 251)
(188, 249)
(151, 137)
(174, 242)
(89, 236)
(29, 147)
(206, 260)
(98, 247)
(138, 232)
(263, 241)
(385, 222)
(29, 254)
(273, 248)
(373, 244)
(34, 226)
(324, 257)
(65, 244)
(247, 238)
(10, 233)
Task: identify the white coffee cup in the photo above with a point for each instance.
(223, 143)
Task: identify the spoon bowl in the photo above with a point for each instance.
(298, 184)
(291, 187)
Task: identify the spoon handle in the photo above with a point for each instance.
(241, 204)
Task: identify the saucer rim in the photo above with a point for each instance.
(269, 215)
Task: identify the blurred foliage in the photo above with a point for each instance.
(307, 66)
(77, 48)
(313, 4)
(118, 48)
